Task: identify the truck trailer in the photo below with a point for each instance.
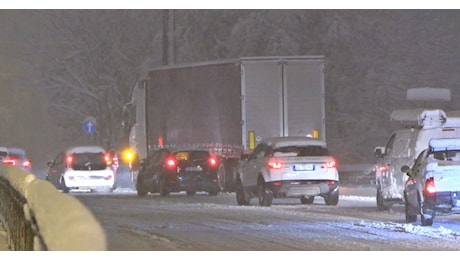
(227, 107)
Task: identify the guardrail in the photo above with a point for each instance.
(38, 217)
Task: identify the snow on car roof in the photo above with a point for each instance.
(442, 144)
(86, 149)
(293, 140)
(16, 150)
(419, 117)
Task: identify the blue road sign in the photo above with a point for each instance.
(89, 125)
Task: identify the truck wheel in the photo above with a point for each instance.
(242, 197)
(380, 204)
(332, 199)
(265, 195)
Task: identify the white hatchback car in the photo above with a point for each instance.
(433, 186)
(82, 167)
(283, 167)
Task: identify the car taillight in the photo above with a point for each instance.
(107, 159)
(274, 164)
(171, 163)
(69, 160)
(430, 187)
(26, 164)
(212, 161)
(9, 161)
(331, 164)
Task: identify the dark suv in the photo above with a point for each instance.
(167, 171)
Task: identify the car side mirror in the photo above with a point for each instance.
(379, 152)
(50, 163)
(406, 170)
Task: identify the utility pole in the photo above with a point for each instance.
(168, 37)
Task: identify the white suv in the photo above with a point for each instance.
(283, 167)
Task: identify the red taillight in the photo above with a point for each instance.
(9, 161)
(69, 160)
(331, 164)
(277, 183)
(212, 161)
(107, 159)
(171, 163)
(275, 164)
(26, 164)
(430, 188)
(330, 183)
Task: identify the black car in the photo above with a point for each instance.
(166, 171)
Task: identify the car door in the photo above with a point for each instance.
(415, 182)
(56, 168)
(252, 166)
(158, 165)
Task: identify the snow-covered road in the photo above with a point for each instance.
(210, 223)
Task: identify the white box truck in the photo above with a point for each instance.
(227, 106)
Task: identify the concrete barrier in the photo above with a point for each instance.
(45, 218)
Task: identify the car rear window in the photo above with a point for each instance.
(451, 155)
(192, 155)
(16, 156)
(3, 154)
(312, 150)
(88, 161)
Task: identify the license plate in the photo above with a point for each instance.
(303, 167)
(194, 169)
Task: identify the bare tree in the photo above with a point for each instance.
(90, 63)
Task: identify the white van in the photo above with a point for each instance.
(418, 126)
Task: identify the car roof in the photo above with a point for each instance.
(86, 149)
(293, 140)
(16, 150)
(3, 149)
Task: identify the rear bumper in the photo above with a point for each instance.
(443, 202)
(194, 183)
(297, 189)
(90, 183)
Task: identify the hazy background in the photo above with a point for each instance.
(59, 66)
